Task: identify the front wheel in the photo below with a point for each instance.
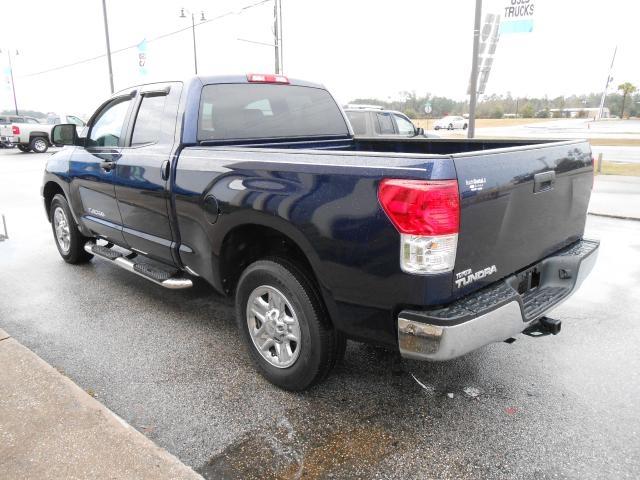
(69, 240)
(24, 148)
(285, 326)
(450, 127)
(39, 145)
(464, 127)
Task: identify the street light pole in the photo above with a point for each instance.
(106, 33)
(195, 52)
(13, 85)
(193, 33)
(474, 72)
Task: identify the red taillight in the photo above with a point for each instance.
(266, 78)
(421, 207)
(15, 129)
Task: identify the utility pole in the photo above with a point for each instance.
(474, 72)
(106, 33)
(13, 85)
(277, 35)
(606, 86)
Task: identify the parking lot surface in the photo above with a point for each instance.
(171, 363)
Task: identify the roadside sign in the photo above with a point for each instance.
(517, 16)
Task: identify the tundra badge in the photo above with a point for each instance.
(467, 276)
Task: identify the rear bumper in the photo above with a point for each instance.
(497, 312)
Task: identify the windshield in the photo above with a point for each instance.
(246, 110)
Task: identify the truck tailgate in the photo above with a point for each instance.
(517, 206)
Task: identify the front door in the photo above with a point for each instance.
(92, 169)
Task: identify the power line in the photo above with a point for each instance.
(159, 37)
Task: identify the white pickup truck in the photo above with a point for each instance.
(28, 134)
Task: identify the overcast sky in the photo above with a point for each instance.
(357, 48)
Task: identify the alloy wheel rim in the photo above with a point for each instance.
(40, 145)
(61, 227)
(273, 326)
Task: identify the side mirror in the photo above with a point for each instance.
(65, 134)
(419, 131)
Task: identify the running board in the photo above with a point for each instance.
(154, 274)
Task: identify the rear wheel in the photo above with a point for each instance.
(24, 148)
(285, 326)
(39, 144)
(450, 127)
(464, 127)
(69, 240)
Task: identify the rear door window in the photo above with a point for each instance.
(244, 111)
(149, 119)
(385, 124)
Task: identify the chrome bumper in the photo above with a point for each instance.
(495, 313)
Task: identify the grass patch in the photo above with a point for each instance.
(617, 168)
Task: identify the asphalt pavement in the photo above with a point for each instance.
(172, 365)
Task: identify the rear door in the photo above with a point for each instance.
(142, 171)
(518, 205)
(92, 170)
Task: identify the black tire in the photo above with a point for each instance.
(321, 346)
(464, 127)
(75, 253)
(24, 148)
(436, 128)
(450, 127)
(39, 144)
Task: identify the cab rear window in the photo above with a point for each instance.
(255, 111)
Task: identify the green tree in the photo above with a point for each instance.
(627, 88)
(527, 111)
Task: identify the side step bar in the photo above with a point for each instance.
(154, 274)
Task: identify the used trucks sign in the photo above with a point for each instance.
(517, 16)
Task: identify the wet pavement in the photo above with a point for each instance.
(171, 363)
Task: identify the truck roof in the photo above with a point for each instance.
(216, 79)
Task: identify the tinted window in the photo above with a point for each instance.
(4, 120)
(107, 127)
(358, 122)
(405, 127)
(51, 120)
(385, 125)
(149, 119)
(239, 111)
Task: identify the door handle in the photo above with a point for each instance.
(107, 166)
(543, 181)
(165, 170)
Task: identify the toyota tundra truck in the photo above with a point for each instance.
(256, 184)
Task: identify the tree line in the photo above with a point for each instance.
(497, 106)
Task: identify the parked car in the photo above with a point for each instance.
(373, 121)
(257, 185)
(451, 122)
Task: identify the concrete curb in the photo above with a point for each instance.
(618, 217)
(50, 428)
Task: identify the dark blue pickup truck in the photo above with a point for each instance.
(255, 183)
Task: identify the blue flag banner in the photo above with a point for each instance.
(142, 57)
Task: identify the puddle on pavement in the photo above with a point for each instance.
(295, 449)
